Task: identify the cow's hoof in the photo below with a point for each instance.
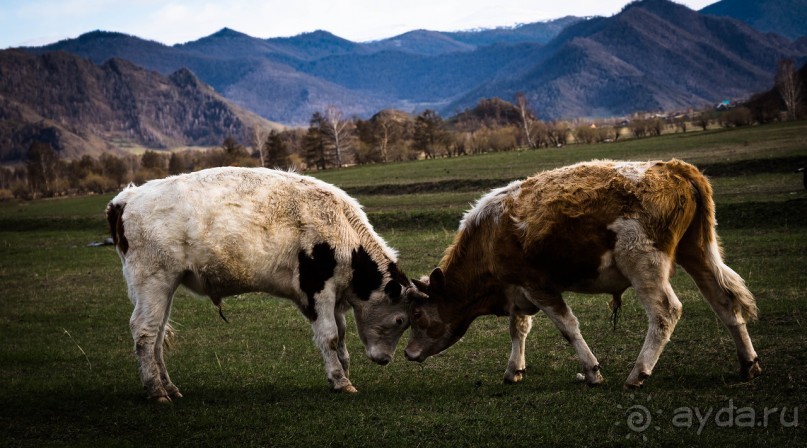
(636, 382)
(596, 379)
(514, 377)
(161, 400)
(172, 392)
(596, 382)
(750, 370)
(593, 377)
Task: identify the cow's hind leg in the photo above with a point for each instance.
(648, 270)
(151, 296)
(519, 329)
(164, 337)
(663, 312)
(649, 273)
(731, 301)
(563, 318)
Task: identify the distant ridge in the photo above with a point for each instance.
(785, 17)
(655, 54)
(80, 108)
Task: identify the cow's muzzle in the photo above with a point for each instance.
(379, 357)
(413, 355)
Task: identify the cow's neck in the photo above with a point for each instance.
(470, 269)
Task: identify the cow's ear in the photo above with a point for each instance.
(437, 281)
(393, 290)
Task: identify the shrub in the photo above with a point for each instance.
(6, 195)
(95, 183)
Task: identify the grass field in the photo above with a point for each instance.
(69, 376)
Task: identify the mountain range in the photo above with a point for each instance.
(653, 55)
(288, 79)
(80, 108)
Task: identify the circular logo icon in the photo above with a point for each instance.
(638, 418)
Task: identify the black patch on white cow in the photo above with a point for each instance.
(315, 270)
(366, 276)
(393, 290)
(114, 214)
(394, 287)
(396, 274)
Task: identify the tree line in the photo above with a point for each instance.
(333, 140)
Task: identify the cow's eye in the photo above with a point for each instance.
(417, 314)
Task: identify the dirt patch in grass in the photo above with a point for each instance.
(453, 185)
(727, 169)
(411, 220)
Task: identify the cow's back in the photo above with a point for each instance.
(598, 193)
(235, 226)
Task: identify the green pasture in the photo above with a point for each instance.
(69, 376)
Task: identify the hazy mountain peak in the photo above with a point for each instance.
(321, 36)
(185, 78)
(101, 34)
(228, 32)
(785, 17)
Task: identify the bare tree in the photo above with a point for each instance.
(788, 85)
(259, 136)
(386, 125)
(527, 117)
(337, 132)
(681, 123)
(704, 118)
(41, 165)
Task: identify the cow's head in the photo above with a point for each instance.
(437, 321)
(382, 308)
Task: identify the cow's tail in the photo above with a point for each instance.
(701, 255)
(170, 336)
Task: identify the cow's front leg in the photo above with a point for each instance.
(563, 318)
(341, 348)
(326, 337)
(516, 367)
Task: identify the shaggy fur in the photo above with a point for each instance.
(597, 227)
(227, 231)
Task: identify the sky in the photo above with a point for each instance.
(39, 22)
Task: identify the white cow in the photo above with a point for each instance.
(226, 231)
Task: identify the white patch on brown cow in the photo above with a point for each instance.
(631, 236)
(632, 171)
(606, 261)
(490, 205)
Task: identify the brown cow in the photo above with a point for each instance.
(596, 227)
